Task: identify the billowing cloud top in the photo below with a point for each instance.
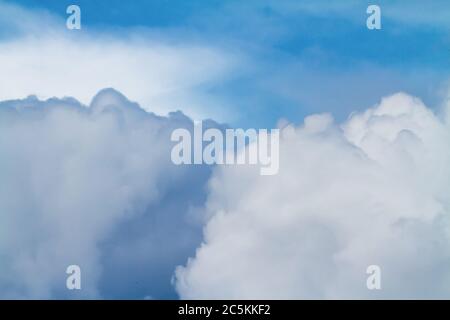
(372, 191)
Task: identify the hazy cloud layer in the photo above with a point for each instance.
(160, 72)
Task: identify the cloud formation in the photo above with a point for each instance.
(160, 72)
(371, 191)
(93, 186)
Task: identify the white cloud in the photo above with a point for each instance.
(371, 191)
(71, 176)
(162, 74)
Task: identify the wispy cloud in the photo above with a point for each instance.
(163, 75)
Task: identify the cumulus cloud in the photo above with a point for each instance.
(91, 183)
(93, 186)
(370, 191)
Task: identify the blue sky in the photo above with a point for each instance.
(302, 57)
(101, 189)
